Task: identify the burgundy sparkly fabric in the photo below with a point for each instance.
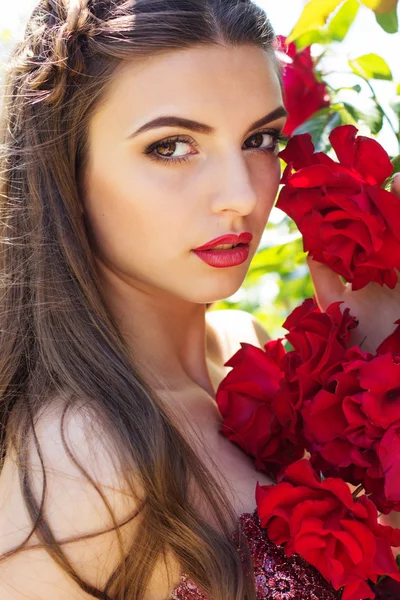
(276, 576)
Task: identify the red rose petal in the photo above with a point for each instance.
(299, 151)
(342, 140)
(372, 161)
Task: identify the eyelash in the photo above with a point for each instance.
(150, 150)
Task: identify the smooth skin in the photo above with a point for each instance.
(145, 217)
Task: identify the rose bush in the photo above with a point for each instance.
(347, 220)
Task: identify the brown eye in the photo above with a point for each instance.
(164, 149)
(168, 147)
(258, 139)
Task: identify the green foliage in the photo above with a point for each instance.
(334, 30)
(373, 118)
(371, 66)
(314, 16)
(283, 258)
(395, 105)
(396, 164)
(327, 21)
(320, 126)
(341, 22)
(388, 21)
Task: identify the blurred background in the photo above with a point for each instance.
(354, 50)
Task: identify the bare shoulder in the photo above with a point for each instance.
(73, 508)
(234, 326)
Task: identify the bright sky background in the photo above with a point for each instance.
(365, 36)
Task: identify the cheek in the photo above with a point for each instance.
(110, 214)
(129, 216)
(266, 177)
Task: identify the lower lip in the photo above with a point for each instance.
(224, 258)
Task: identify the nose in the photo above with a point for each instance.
(235, 190)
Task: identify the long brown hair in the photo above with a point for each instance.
(57, 337)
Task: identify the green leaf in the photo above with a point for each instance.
(373, 118)
(347, 115)
(398, 560)
(396, 169)
(317, 36)
(396, 163)
(341, 22)
(371, 66)
(395, 105)
(320, 126)
(315, 125)
(334, 30)
(326, 119)
(315, 14)
(389, 21)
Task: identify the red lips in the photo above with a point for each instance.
(231, 238)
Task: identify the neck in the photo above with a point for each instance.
(169, 338)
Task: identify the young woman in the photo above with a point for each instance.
(135, 132)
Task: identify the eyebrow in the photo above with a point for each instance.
(172, 121)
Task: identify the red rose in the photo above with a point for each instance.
(352, 429)
(319, 343)
(303, 93)
(245, 400)
(347, 220)
(331, 530)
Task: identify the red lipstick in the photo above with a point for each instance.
(230, 238)
(221, 258)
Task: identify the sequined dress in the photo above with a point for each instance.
(276, 576)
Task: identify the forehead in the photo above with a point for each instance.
(228, 82)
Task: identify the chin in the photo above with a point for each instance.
(209, 294)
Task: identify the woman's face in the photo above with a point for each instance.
(151, 200)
